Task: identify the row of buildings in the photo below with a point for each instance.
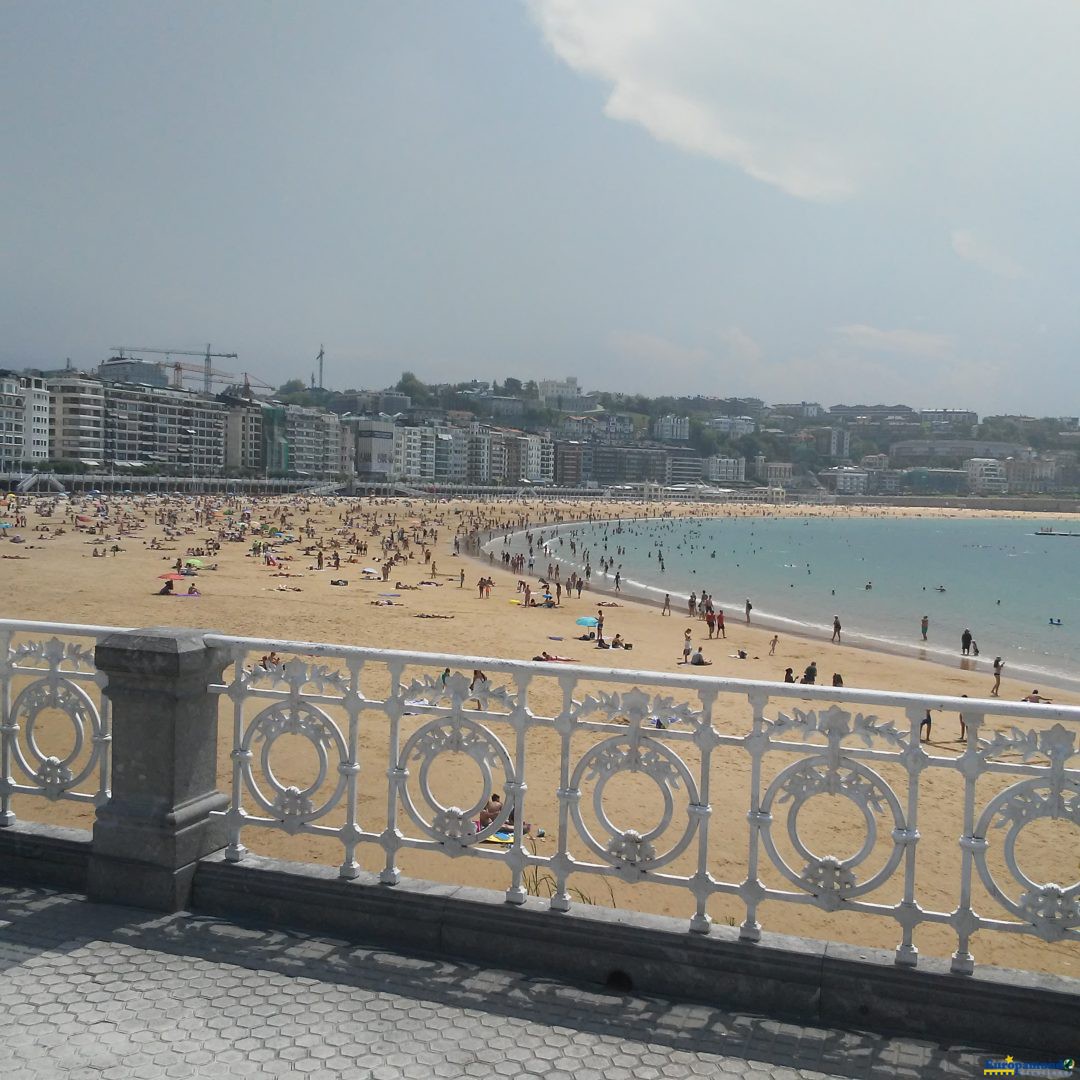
(95, 423)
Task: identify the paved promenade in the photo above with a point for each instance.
(105, 993)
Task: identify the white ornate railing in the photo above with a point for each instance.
(369, 713)
(50, 697)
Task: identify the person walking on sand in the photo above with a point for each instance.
(686, 646)
(772, 644)
(925, 626)
(836, 629)
(998, 665)
(721, 631)
(749, 608)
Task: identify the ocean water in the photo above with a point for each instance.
(1000, 579)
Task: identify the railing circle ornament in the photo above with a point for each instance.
(55, 775)
(455, 826)
(294, 806)
(626, 755)
(1050, 908)
(829, 879)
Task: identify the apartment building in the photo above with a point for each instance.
(77, 418)
(155, 425)
(720, 470)
(24, 420)
(244, 438)
(986, 476)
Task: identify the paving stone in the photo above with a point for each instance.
(97, 993)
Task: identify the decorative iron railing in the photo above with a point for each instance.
(731, 766)
(54, 720)
(704, 787)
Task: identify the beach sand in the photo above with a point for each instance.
(59, 580)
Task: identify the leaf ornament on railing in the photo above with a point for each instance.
(55, 653)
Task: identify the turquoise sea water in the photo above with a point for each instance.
(1000, 579)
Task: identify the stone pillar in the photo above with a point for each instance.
(150, 835)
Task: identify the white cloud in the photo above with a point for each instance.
(821, 99)
(974, 249)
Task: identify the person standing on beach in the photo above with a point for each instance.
(720, 629)
(836, 629)
(772, 644)
(965, 643)
(925, 626)
(928, 723)
(687, 648)
(667, 604)
(749, 608)
(998, 665)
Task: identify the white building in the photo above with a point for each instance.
(24, 420)
(986, 476)
(849, 481)
(451, 454)
(562, 394)
(77, 418)
(671, 428)
(732, 425)
(719, 469)
(478, 454)
(776, 472)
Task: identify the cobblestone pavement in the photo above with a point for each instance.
(103, 993)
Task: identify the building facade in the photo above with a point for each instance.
(24, 421)
(77, 419)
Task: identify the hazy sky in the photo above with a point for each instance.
(845, 200)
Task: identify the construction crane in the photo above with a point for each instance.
(207, 370)
(249, 379)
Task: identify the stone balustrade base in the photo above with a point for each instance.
(780, 976)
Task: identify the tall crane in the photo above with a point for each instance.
(208, 371)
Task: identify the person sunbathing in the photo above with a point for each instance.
(545, 655)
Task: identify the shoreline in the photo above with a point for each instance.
(779, 623)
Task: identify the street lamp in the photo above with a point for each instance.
(190, 433)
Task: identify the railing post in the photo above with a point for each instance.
(157, 825)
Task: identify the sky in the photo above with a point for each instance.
(838, 201)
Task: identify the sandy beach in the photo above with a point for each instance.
(58, 578)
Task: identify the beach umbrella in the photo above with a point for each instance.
(194, 562)
(171, 577)
(5, 525)
(586, 620)
(369, 570)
